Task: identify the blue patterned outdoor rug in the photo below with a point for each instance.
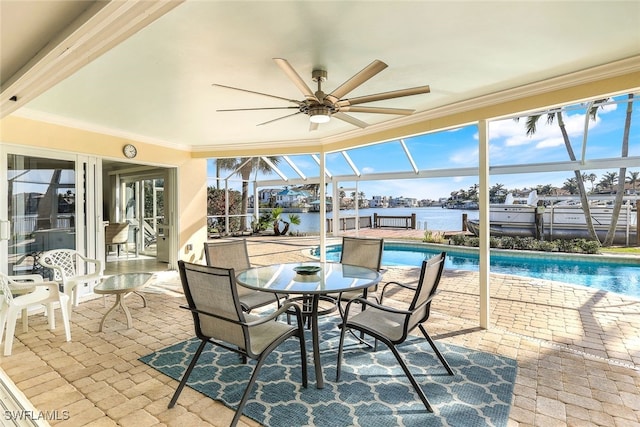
(373, 390)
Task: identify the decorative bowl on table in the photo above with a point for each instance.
(307, 270)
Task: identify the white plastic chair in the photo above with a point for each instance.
(65, 264)
(18, 293)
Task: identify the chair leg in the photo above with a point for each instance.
(76, 296)
(24, 317)
(247, 390)
(435, 349)
(185, 377)
(3, 318)
(12, 317)
(65, 317)
(254, 377)
(303, 358)
(51, 316)
(410, 376)
(340, 348)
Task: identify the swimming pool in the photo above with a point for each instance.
(616, 275)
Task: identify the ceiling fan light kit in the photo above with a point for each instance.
(319, 114)
(320, 107)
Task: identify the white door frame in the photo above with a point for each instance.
(88, 189)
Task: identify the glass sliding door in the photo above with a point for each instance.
(144, 207)
(42, 211)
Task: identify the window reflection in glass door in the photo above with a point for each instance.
(41, 207)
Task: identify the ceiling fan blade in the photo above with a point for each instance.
(379, 110)
(258, 108)
(349, 119)
(279, 118)
(296, 79)
(384, 95)
(365, 74)
(313, 126)
(295, 101)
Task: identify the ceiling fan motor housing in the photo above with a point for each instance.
(319, 75)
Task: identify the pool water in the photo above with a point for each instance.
(619, 277)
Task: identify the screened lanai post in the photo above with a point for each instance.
(323, 209)
(483, 173)
(357, 223)
(335, 184)
(256, 204)
(226, 206)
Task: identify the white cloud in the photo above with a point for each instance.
(513, 133)
(468, 157)
(550, 142)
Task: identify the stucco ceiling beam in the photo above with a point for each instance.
(101, 27)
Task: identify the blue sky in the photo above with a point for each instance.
(458, 148)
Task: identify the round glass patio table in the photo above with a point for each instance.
(310, 279)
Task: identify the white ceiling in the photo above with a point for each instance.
(157, 84)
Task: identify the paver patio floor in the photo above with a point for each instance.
(578, 350)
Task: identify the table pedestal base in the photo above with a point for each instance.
(120, 302)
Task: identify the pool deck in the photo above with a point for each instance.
(577, 349)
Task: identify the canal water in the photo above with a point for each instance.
(431, 218)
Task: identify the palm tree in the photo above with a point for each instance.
(591, 178)
(570, 185)
(608, 241)
(608, 181)
(552, 116)
(497, 193)
(545, 190)
(361, 199)
(278, 218)
(472, 193)
(633, 178)
(245, 166)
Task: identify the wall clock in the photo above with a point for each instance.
(130, 151)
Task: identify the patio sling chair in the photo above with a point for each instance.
(67, 267)
(18, 294)
(362, 252)
(212, 297)
(234, 254)
(116, 234)
(392, 326)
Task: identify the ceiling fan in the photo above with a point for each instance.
(320, 106)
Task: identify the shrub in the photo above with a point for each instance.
(457, 239)
(433, 237)
(530, 244)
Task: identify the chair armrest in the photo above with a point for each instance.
(96, 262)
(264, 319)
(275, 314)
(30, 286)
(376, 305)
(402, 285)
(26, 278)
